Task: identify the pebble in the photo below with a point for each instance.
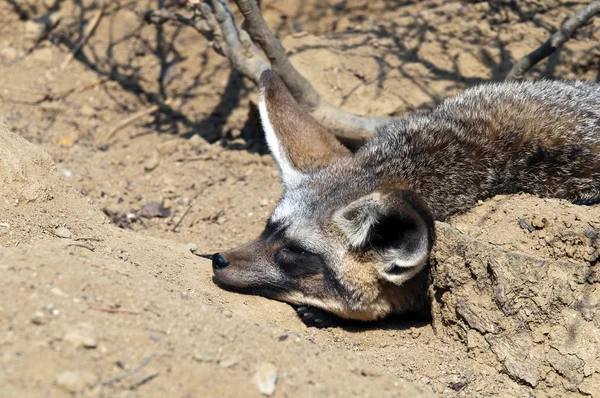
(63, 232)
(82, 335)
(87, 110)
(425, 380)
(191, 247)
(34, 29)
(265, 378)
(229, 362)
(152, 162)
(267, 160)
(8, 54)
(263, 202)
(39, 318)
(76, 381)
(58, 292)
(202, 357)
(196, 141)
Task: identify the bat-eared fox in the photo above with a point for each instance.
(353, 231)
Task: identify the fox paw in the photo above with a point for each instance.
(315, 317)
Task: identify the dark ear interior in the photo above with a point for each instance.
(397, 225)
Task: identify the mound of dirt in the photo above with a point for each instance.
(526, 297)
(72, 280)
(84, 311)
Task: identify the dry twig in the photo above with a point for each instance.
(86, 36)
(90, 248)
(141, 366)
(127, 121)
(182, 217)
(112, 310)
(555, 41)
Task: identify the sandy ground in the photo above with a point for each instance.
(100, 294)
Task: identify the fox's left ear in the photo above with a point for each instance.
(397, 226)
(298, 142)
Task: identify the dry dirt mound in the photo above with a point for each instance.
(153, 306)
(85, 312)
(520, 288)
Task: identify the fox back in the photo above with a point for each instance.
(353, 232)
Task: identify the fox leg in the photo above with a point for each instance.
(315, 317)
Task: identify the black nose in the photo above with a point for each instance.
(219, 261)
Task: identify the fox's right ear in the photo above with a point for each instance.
(298, 143)
(397, 225)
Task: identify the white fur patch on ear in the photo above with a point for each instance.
(357, 219)
(289, 174)
(401, 264)
(399, 234)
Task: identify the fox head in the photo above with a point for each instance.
(343, 238)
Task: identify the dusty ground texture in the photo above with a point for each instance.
(100, 294)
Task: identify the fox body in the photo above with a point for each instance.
(353, 232)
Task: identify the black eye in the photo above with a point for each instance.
(296, 261)
(294, 249)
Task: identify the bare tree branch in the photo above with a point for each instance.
(343, 124)
(301, 88)
(555, 41)
(215, 21)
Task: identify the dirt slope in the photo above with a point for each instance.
(145, 302)
(108, 312)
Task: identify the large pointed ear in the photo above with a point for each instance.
(398, 227)
(298, 143)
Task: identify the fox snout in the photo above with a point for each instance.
(248, 269)
(218, 261)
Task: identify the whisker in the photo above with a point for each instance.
(207, 256)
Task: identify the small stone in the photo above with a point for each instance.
(63, 232)
(155, 209)
(591, 233)
(197, 142)
(8, 54)
(539, 223)
(263, 202)
(82, 335)
(191, 247)
(76, 381)
(152, 162)
(87, 110)
(228, 362)
(265, 378)
(39, 318)
(425, 380)
(34, 29)
(524, 224)
(267, 160)
(202, 357)
(58, 292)
(236, 133)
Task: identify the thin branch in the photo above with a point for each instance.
(300, 87)
(555, 41)
(343, 124)
(90, 248)
(127, 121)
(88, 33)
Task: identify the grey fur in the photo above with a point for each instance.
(536, 137)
